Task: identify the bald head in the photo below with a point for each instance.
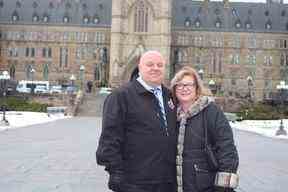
(152, 68)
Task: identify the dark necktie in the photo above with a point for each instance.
(159, 108)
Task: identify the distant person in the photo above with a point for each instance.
(207, 159)
(89, 86)
(138, 140)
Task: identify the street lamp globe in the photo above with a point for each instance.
(201, 73)
(5, 76)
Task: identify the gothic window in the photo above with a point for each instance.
(12, 71)
(63, 57)
(141, 17)
(46, 71)
(97, 72)
(235, 58)
(49, 52)
(32, 52)
(282, 59)
(251, 59)
(268, 60)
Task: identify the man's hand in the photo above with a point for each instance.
(115, 181)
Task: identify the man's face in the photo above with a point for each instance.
(152, 68)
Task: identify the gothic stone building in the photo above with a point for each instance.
(238, 48)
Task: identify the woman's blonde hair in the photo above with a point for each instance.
(201, 90)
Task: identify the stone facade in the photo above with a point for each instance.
(240, 49)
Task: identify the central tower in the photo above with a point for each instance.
(137, 26)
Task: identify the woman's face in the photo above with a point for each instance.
(186, 90)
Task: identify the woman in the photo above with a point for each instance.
(207, 159)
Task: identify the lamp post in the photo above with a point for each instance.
(32, 78)
(5, 76)
(250, 84)
(82, 70)
(212, 86)
(72, 79)
(201, 73)
(282, 87)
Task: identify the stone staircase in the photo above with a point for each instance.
(91, 105)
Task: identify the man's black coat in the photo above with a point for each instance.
(132, 140)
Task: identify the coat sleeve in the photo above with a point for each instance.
(226, 152)
(109, 151)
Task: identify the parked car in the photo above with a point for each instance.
(41, 89)
(71, 90)
(56, 89)
(23, 89)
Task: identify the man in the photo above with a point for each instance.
(138, 140)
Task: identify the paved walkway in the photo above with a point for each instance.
(60, 157)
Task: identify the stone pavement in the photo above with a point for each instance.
(60, 157)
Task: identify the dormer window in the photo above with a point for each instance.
(96, 20)
(15, 16)
(238, 24)
(86, 19)
(187, 22)
(218, 24)
(51, 5)
(197, 23)
(45, 18)
(68, 5)
(35, 18)
(248, 25)
(234, 12)
(217, 11)
(35, 5)
(18, 4)
(84, 6)
(101, 6)
(65, 19)
(268, 25)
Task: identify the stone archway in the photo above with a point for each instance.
(132, 60)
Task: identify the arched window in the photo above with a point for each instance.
(141, 17)
(46, 71)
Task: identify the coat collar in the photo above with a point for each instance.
(195, 108)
